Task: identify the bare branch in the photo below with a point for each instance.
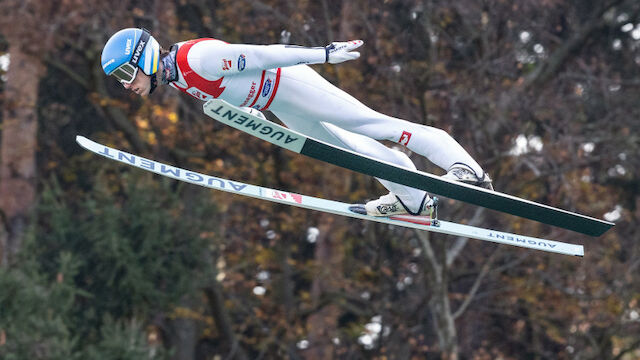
(559, 57)
(430, 254)
(629, 349)
(476, 284)
(461, 242)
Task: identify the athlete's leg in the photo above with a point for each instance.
(410, 197)
(332, 134)
(305, 94)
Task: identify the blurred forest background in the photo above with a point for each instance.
(103, 261)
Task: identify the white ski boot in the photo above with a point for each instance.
(463, 173)
(390, 205)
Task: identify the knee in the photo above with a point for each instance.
(423, 133)
(402, 159)
(434, 131)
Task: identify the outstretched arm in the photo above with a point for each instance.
(220, 59)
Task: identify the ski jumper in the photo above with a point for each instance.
(276, 78)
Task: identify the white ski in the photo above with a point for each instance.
(329, 206)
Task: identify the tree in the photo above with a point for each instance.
(543, 94)
(17, 155)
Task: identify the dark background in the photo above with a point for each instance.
(103, 261)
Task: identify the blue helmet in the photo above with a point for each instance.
(129, 50)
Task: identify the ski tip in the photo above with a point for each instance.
(83, 141)
(358, 209)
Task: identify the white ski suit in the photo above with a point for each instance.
(276, 78)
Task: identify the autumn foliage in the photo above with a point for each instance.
(103, 261)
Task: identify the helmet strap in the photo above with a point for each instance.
(154, 83)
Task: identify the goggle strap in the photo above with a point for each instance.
(144, 38)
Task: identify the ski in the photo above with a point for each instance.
(266, 130)
(328, 206)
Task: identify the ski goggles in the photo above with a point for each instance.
(127, 72)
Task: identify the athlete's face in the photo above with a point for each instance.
(141, 85)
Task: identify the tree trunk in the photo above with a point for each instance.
(322, 324)
(436, 254)
(223, 320)
(441, 307)
(18, 150)
(347, 13)
(443, 319)
(184, 330)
